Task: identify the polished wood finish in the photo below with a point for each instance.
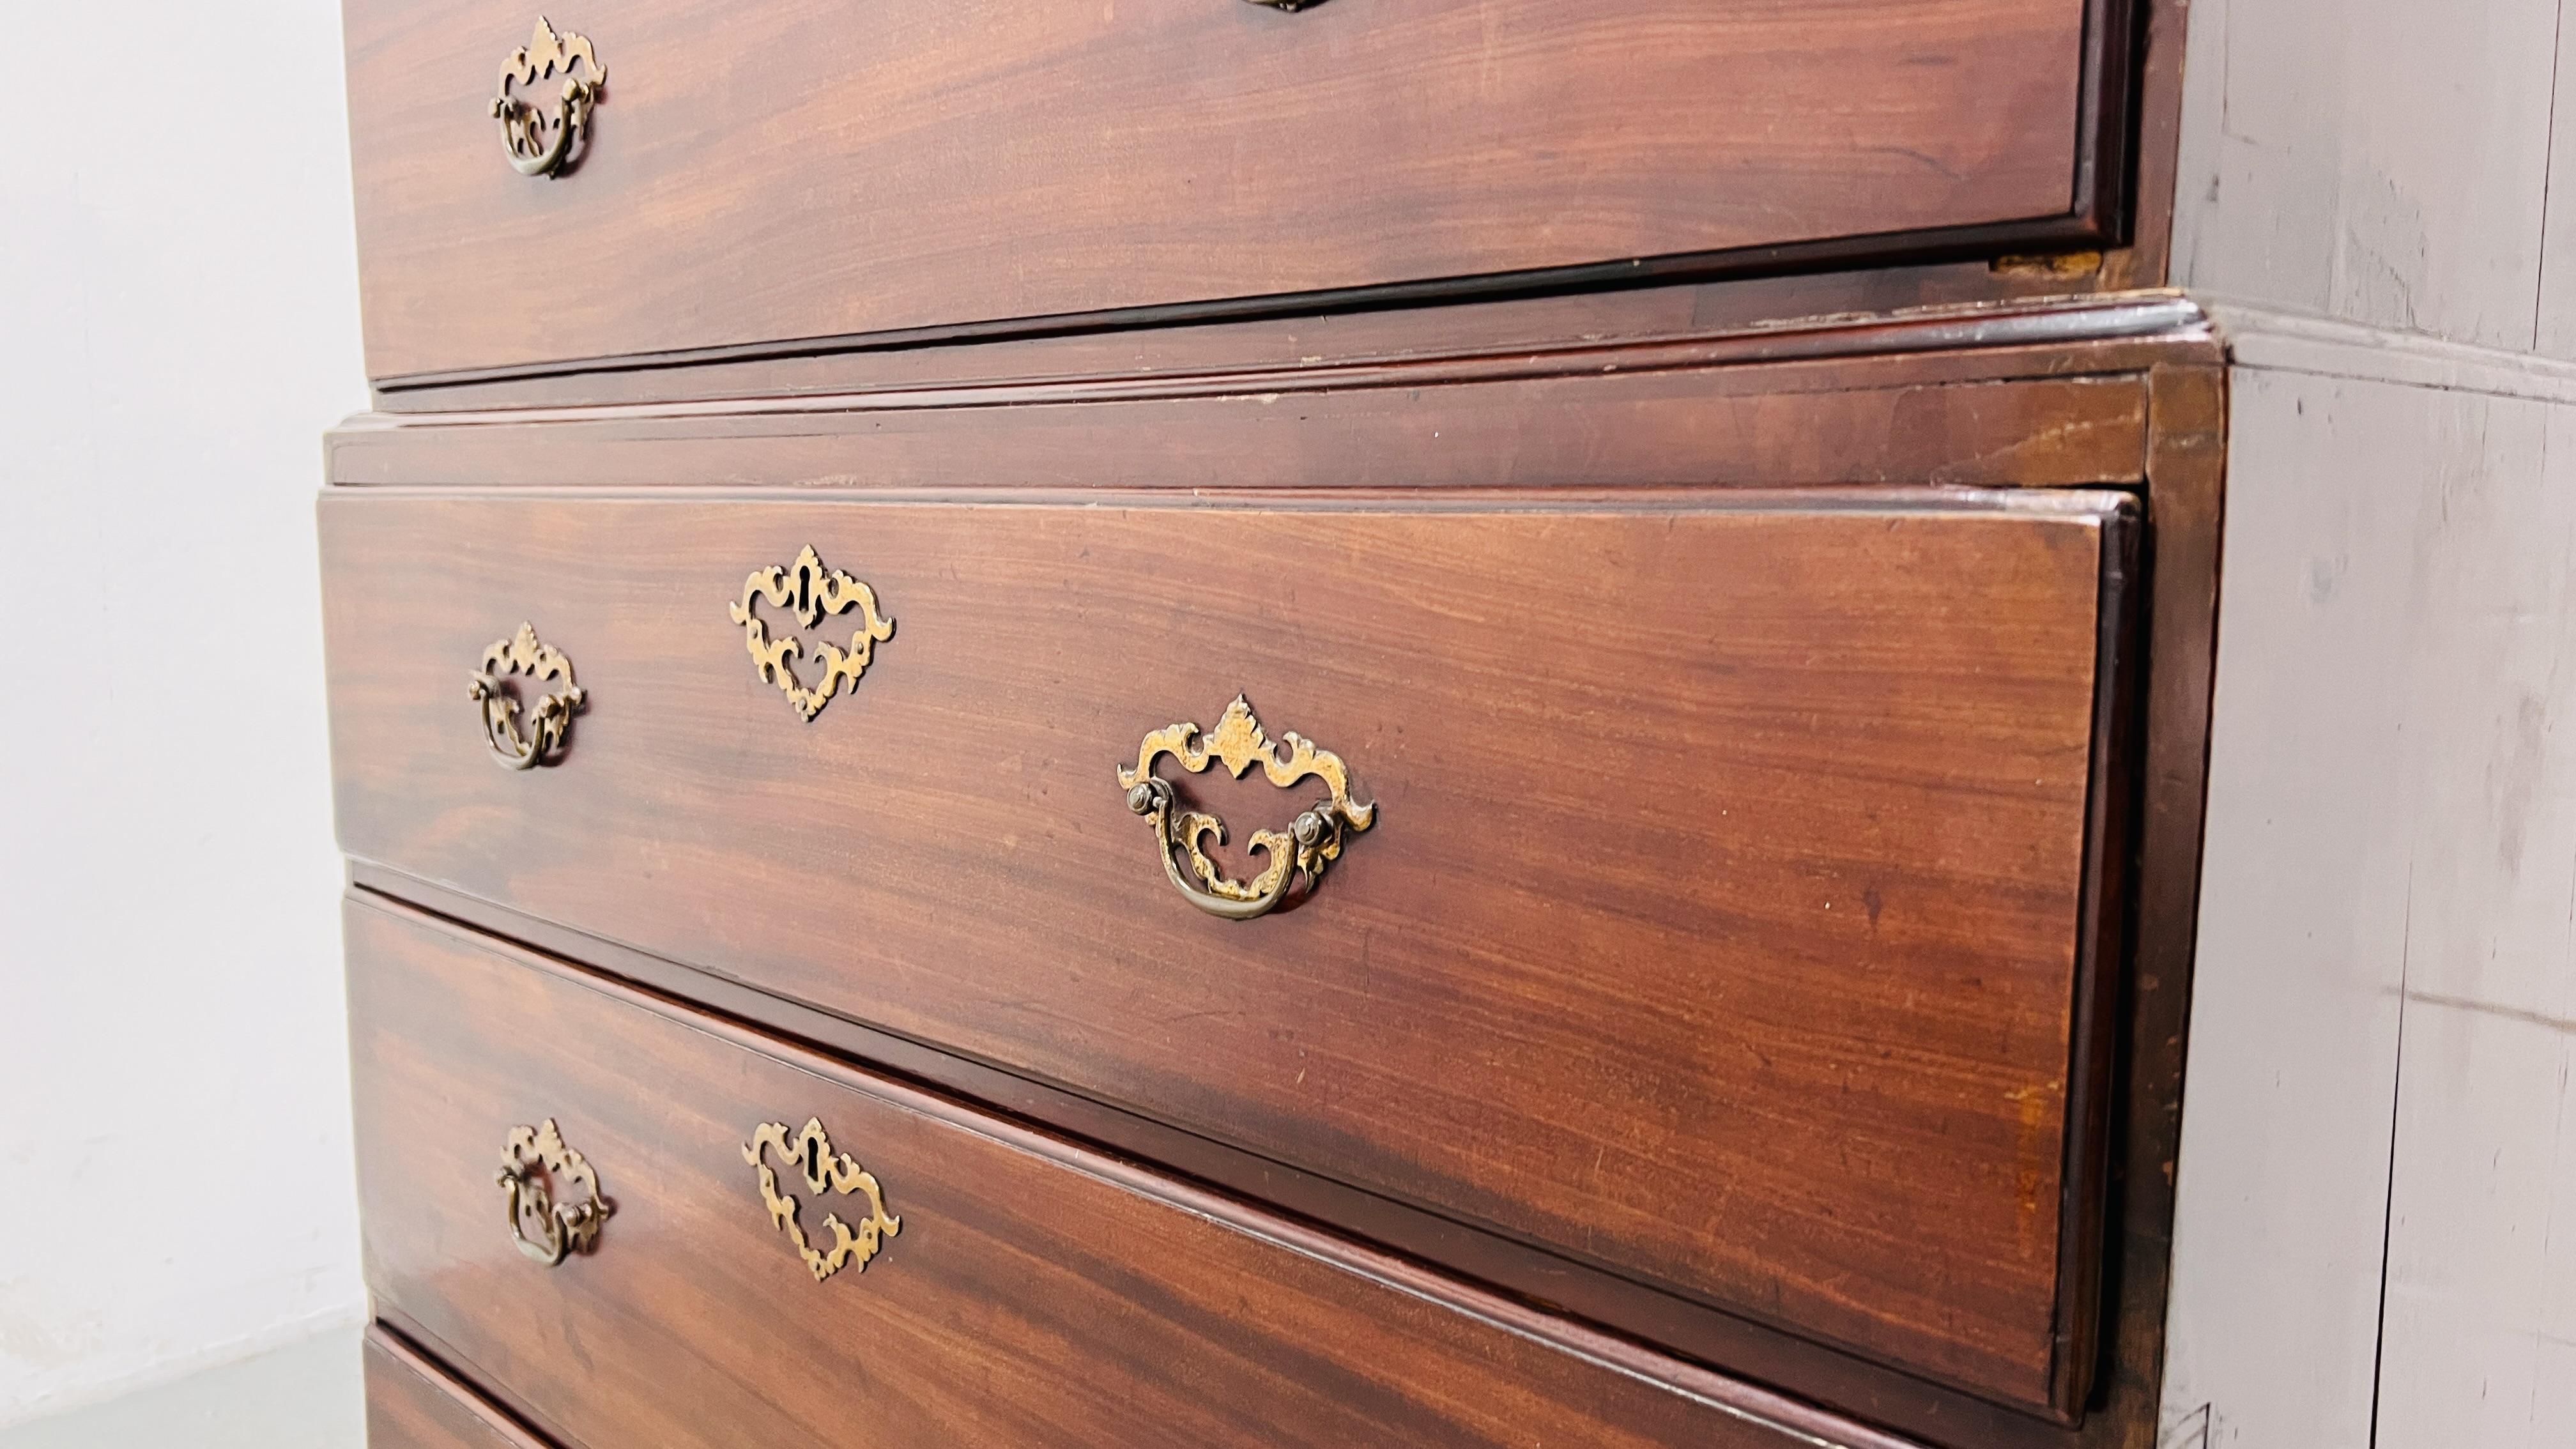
(1651, 430)
(1793, 1029)
(2045, 395)
(2175, 459)
(414, 1404)
(805, 171)
(1848, 1382)
(1038, 1294)
(2187, 457)
(900, 264)
(1894, 311)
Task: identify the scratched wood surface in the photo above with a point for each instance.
(1034, 1294)
(1723, 923)
(801, 168)
(1412, 428)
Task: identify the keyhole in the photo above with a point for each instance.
(806, 611)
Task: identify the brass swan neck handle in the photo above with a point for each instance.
(1312, 841)
(535, 1163)
(549, 720)
(540, 135)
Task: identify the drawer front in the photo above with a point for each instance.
(799, 169)
(1720, 920)
(1025, 1294)
(412, 1404)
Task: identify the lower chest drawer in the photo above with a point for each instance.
(642, 1228)
(1725, 916)
(413, 1404)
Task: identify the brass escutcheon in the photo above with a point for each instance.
(524, 653)
(811, 592)
(809, 1153)
(547, 139)
(527, 1158)
(1312, 841)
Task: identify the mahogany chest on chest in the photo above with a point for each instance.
(1207, 723)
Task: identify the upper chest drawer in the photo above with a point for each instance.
(800, 169)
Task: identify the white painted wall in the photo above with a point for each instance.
(177, 325)
(2375, 1236)
(2382, 161)
(2376, 1240)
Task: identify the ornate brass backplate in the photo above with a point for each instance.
(809, 1152)
(811, 592)
(544, 1228)
(524, 653)
(545, 136)
(1312, 841)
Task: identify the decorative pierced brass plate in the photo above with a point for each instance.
(1313, 840)
(809, 1153)
(811, 592)
(545, 1229)
(545, 137)
(524, 653)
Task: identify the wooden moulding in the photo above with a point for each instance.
(1581, 333)
(2041, 396)
(1802, 315)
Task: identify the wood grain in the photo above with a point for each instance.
(413, 1404)
(1894, 310)
(1801, 423)
(2187, 469)
(804, 169)
(1035, 1295)
(1724, 925)
(1839, 1380)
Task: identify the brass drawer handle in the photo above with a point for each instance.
(545, 1229)
(524, 653)
(1311, 842)
(808, 1152)
(1287, 4)
(545, 140)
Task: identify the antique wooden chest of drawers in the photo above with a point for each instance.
(1218, 723)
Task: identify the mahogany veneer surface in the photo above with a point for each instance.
(1028, 1299)
(1723, 924)
(801, 168)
